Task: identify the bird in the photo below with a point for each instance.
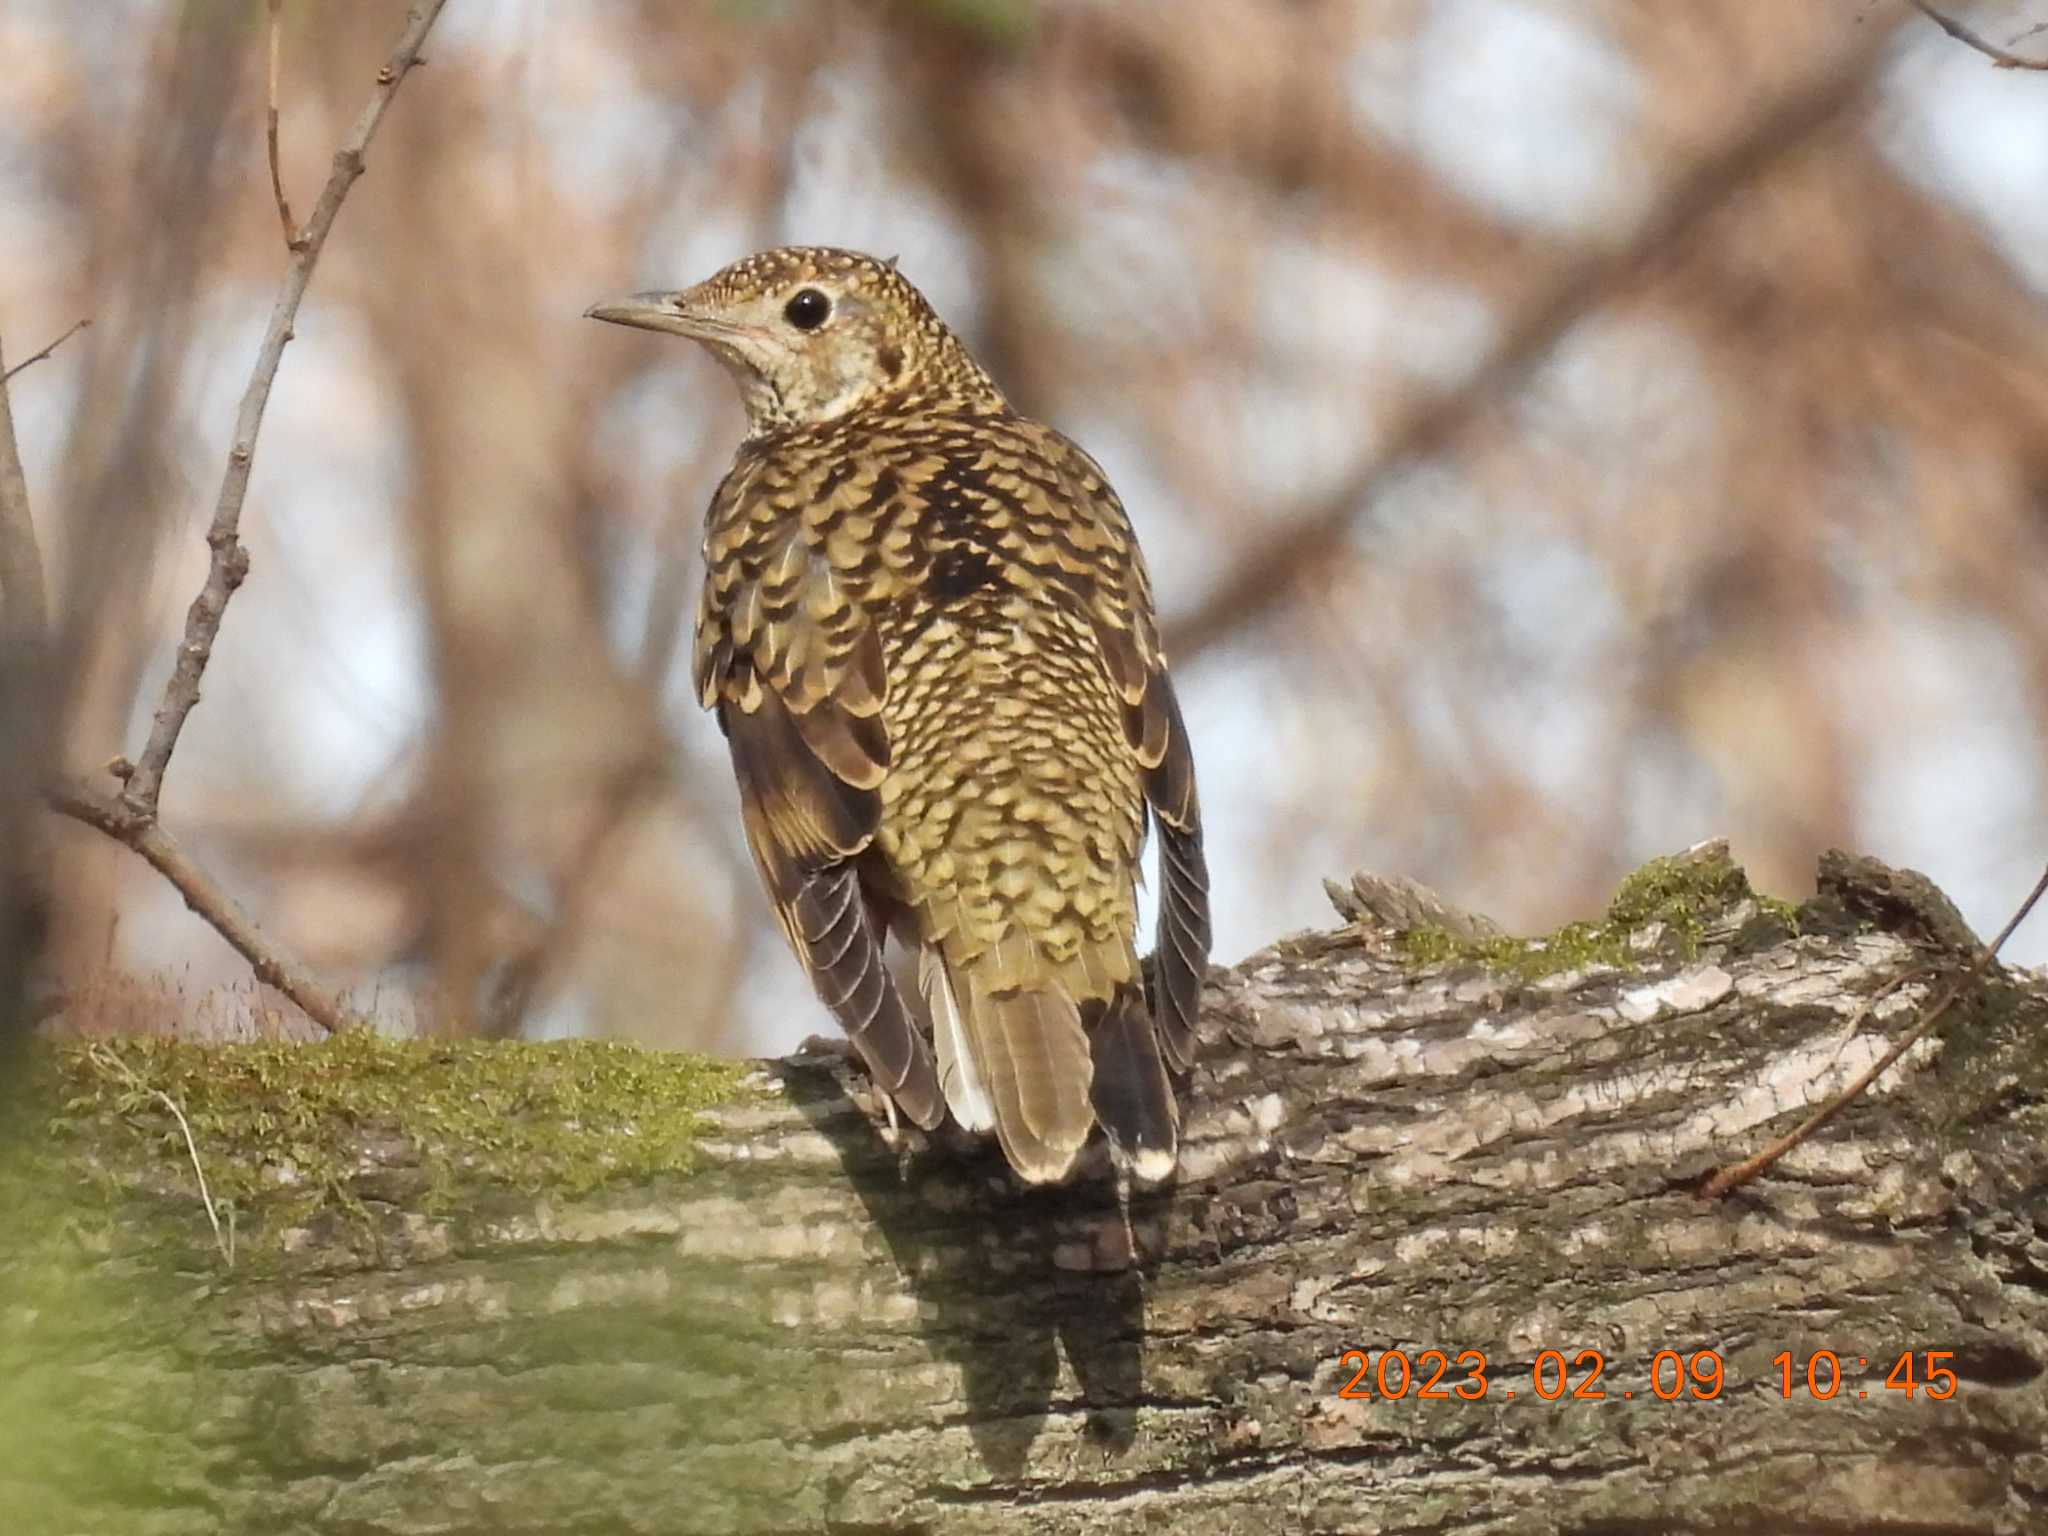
(929, 637)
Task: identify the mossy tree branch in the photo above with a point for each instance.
(753, 1314)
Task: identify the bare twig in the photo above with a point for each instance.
(107, 1061)
(1855, 1025)
(36, 357)
(26, 613)
(229, 562)
(1736, 1175)
(1266, 574)
(204, 895)
(2004, 58)
(131, 819)
(284, 207)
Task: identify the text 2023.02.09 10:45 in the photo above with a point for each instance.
(1436, 1375)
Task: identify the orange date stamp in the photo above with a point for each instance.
(1439, 1376)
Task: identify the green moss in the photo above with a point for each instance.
(1439, 946)
(1575, 946)
(1000, 23)
(1681, 893)
(282, 1130)
(1679, 896)
(1005, 23)
(1786, 912)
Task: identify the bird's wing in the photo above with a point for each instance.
(1127, 627)
(795, 674)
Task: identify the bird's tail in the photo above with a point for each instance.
(1019, 1055)
(1132, 1095)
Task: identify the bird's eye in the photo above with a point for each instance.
(807, 309)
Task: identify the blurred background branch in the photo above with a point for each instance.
(21, 561)
(24, 622)
(1561, 301)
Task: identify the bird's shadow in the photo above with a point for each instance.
(1006, 1275)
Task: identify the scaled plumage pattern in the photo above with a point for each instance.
(929, 636)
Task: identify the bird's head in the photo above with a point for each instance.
(811, 333)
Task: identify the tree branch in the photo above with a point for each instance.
(36, 357)
(2004, 58)
(131, 819)
(478, 1305)
(1265, 575)
(206, 897)
(284, 207)
(229, 562)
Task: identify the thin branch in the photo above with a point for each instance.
(205, 896)
(1266, 574)
(2004, 58)
(284, 207)
(36, 357)
(26, 613)
(107, 1061)
(229, 561)
(1736, 1175)
(1854, 1027)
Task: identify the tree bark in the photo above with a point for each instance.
(813, 1331)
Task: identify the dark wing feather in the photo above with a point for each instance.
(1128, 630)
(807, 827)
(1180, 957)
(795, 674)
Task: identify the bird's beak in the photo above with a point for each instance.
(663, 312)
